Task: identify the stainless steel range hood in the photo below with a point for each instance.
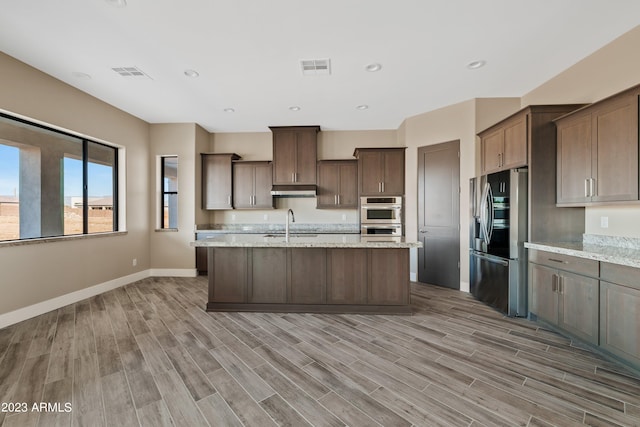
(293, 191)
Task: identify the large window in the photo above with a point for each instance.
(53, 183)
(169, 171)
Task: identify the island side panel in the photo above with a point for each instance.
(347, 276)
(268, 276)
(308, 268)
(388, 277)
(227, 274)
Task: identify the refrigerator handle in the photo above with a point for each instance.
(484, 213)
(491, 213)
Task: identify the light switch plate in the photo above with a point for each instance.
(604, 222)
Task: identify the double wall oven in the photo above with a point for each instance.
(381, 216)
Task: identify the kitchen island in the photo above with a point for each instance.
(324, 273)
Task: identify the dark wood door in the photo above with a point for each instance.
(544, 299)
(574, 159)
(268, 279)
(393, 172)
(615, 150)
(491, 151)
(619, 325)
(388, 276)
(306, 156)
(328, 184)
(243, 185)
(263, 176)
(217, 181)
(439, 214)
(348, 184)
(514, 152)
(308, 282)
(228, 280)
(578, 306)
(284, 157)
(347, 276)
(371, 169)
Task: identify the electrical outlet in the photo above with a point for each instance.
(344, 217)
(233, 217)
(604, 222)
(265, 217)
(134, 262)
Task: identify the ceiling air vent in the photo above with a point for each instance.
(131, 72)
(316, 67)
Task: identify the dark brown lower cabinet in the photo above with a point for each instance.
(228, 280)
(388, 276)
(268, 280)
(308, 283)
(347, 276)
(331, 280)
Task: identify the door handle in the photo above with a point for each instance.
(382, 186)
(422, 231)
(591, 187)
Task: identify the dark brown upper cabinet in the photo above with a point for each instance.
(294, 154)
(252, 185)
(598, 152)
(504, 146)
(337, 184)
(380, 171)
(217, 184)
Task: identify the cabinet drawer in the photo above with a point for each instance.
(620, 274)
(586, 267)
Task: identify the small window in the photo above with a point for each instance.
(169, 208)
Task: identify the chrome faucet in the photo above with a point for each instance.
(286, 225)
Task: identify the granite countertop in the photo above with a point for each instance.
(235, 240)
(614, 250)
(295, 227)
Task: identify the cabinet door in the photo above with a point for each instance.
(308, 268)
(544, 299)
(284, 157)
(328, 185)
(216, 181)
(228, 280)
(371, 173)
(514, 153)
(262, 197)
(346, 276)
(578, 306)
(393, 173)
(620, 321)
(268, 279)
(201, 260)
(243, 185)
(348, 185)
(388, 276)
(615, 150)
(491, 151)
(574, 159)
(306, 156)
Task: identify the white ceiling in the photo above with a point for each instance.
(247, 53)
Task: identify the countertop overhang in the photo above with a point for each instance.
(304, 241)
(611, 254)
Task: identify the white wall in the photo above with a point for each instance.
(606, 72)
(34, 273)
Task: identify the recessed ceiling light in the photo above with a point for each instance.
(362, 107)
(80, 75)
(294, 108)
(191, 73)
(474, 65)
(372, 68)
(229, 110)
(117, 3)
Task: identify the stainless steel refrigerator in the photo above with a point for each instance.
(498, 262)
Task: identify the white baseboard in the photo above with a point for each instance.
(173, 272)
(413, 277)
(34, 310)
(464, 286)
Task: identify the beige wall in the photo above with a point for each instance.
(38, 272)
(606, 72)
(170, 250)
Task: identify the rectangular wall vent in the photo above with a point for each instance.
(315, 67)
(130, 72)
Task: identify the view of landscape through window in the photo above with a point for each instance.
(41, 184)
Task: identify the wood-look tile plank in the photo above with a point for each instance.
(247, 409)
(308, 407)
(155, 357)
(178, 400)
(243, 351)
(44, 334)
(88, 409)
(346, 412)
(155, 414)
(217, 412)
(282, 413)
(196, 382)
(119, 408)
(60, 394)
(199, 353)
(141, 382)
(84, 342)
(252, 383)
(291, 353)
(349, 391)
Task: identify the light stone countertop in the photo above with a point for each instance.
(628, 256)
(304, 241)
(295, 227)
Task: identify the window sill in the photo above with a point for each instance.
(166, 230)
(9, 243)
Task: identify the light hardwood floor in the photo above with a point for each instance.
(148, 354)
